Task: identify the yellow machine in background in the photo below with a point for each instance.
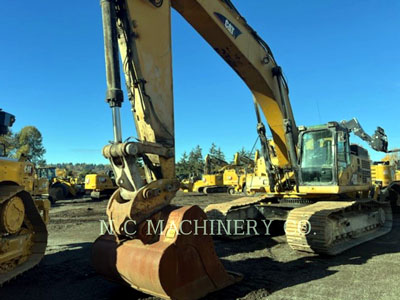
(186, 185)
(235, 174)
(221, 177)
(100, 185)
(61, 186)
(210, 183)
(212, 180)
(386, 170)
(385, 175)
(257, 180)
(235, 180)
(23, 233)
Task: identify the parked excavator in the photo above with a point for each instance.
(327, 198)
(212, 180)
(219, 176)
(324, 180)
(23, 232)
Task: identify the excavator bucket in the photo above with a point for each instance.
(180, 265)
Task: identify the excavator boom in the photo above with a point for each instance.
(142, 29)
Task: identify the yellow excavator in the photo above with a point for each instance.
(212, 180)
(219, 176)
(327, 198)
(319, 176)
(23, 233)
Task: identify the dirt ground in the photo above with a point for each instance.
(271, 269)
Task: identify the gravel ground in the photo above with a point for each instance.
(271, 269)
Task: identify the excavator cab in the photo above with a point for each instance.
(317, 156)
(327, 158)
(47, 172)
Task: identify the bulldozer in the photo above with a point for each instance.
(320, 184)
(100, 185)
(61, 186)
(23, 219)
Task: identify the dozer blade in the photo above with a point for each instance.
(177, 266)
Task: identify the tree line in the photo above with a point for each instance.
(192, 164)
(28, 142)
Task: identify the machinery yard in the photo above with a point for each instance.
(309, 206)
(271, 269)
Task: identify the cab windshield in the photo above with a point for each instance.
(317, 157)
(48, 173)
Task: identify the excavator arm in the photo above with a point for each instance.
(228, 33)
(170, 264)
(240, 160)
(211, 162)
(378, 141)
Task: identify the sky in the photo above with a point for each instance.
(341, 59)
